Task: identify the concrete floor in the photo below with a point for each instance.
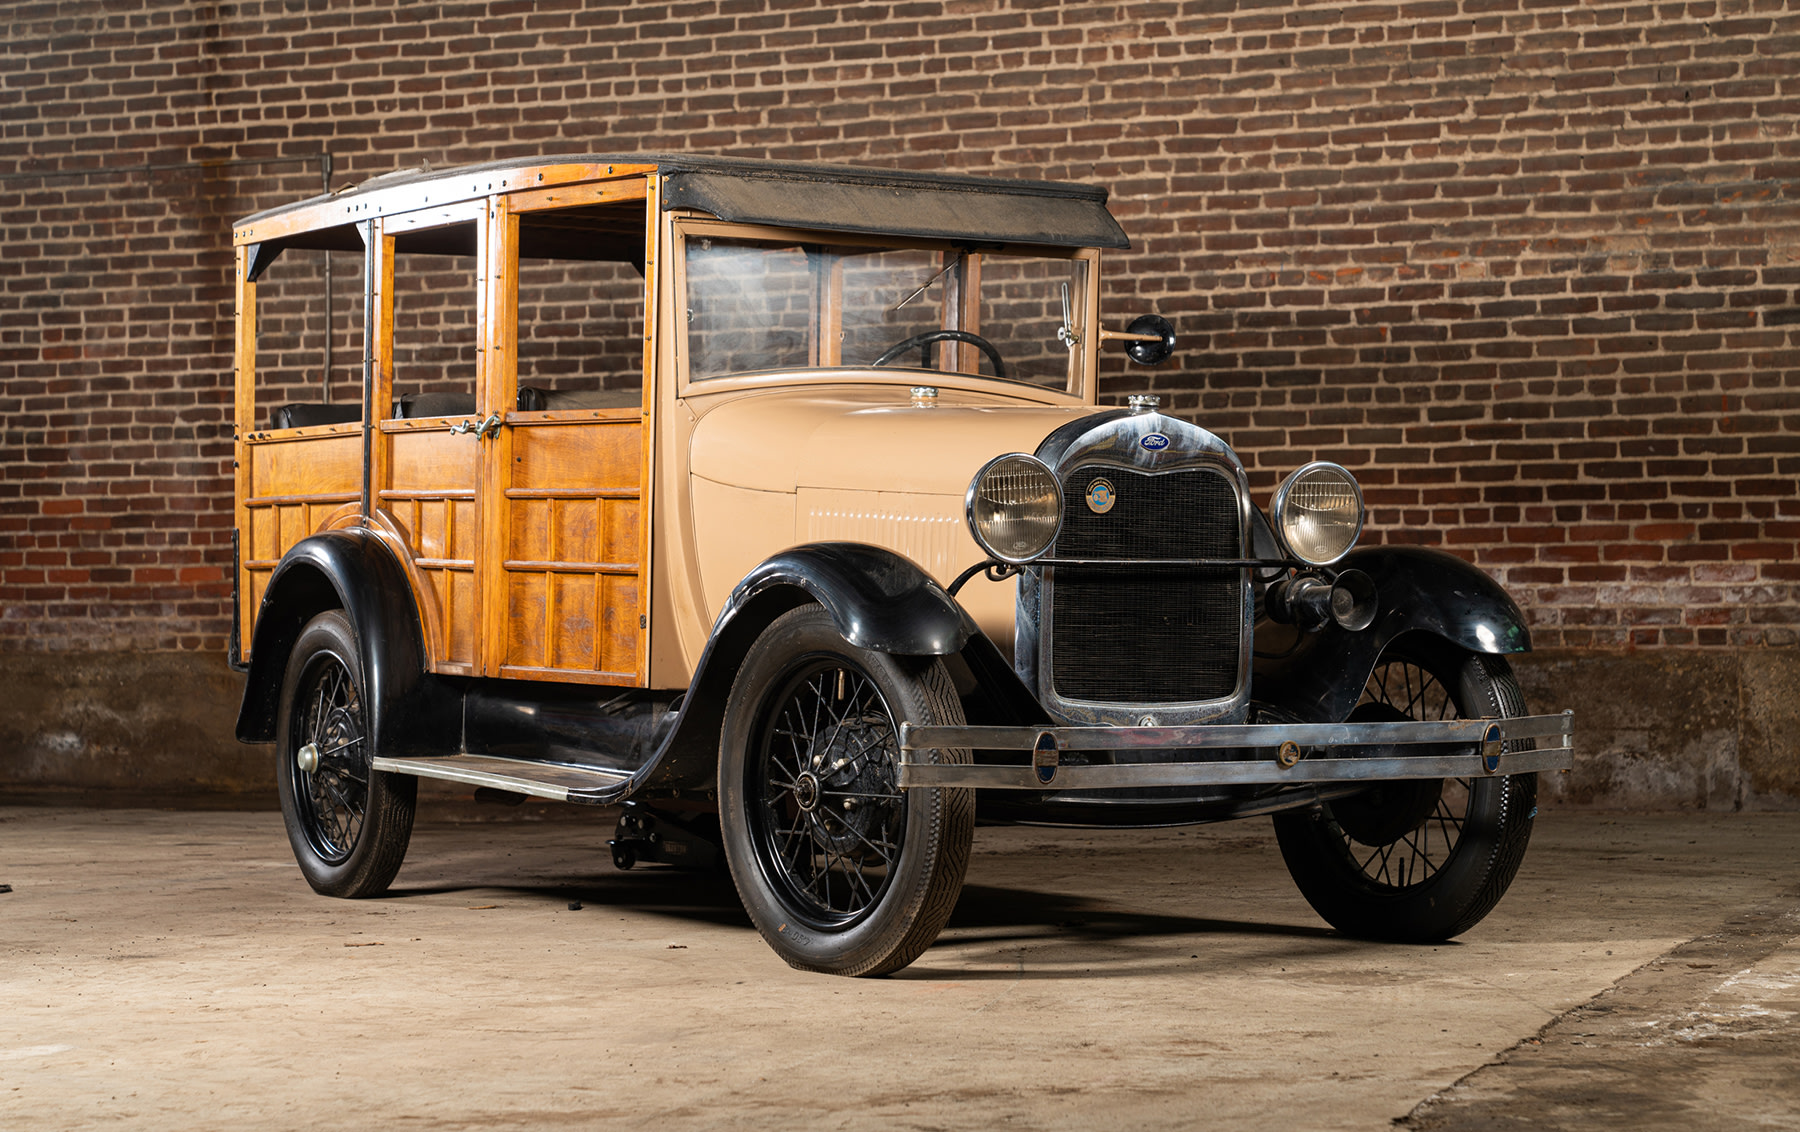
(172, 970)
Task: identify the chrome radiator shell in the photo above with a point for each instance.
(1208, 610)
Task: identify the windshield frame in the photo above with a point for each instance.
(1084, 303)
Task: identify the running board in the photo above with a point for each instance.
(559, 782)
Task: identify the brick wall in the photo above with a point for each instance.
(1531, 269)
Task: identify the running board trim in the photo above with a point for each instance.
(558, 782)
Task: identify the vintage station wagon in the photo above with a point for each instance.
(773, 504)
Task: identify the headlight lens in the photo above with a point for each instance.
(1014, 507)
(1319, 513)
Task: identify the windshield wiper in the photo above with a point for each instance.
(925, 286)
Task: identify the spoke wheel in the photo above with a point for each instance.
(840, 869)
(349, 825)
(828, 814)
(1418, 860)
(333, 798)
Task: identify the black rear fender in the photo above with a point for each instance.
(350, 569)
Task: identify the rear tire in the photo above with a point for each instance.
(841, 871)
(349, 824)
(1418, 862)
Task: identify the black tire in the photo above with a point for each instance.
(811, 734)
(1418, 862)
(348, 823)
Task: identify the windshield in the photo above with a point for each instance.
(773, 304)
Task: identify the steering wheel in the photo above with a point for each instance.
(923, 341)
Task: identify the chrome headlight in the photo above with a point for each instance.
(1318, 513)
(1014, 507)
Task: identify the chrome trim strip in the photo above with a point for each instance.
(1263, 771)
(520, 776)
(1212, 736)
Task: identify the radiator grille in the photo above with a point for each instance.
(1152, 634)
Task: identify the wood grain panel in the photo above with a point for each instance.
(461, 616)
(527, 609)
(262, 542)
(573, 611)
(259, 583)
(623, 541)
(577, 526)
(578, 458)
(431, 497)
(432, 461)
(328, 464)
(291, 528)
(529, 525)
(461, 540)
(623, 598)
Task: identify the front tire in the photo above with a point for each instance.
(348, 823)
(1418, 861)
(841, 871)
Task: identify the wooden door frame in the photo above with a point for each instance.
(497, 315)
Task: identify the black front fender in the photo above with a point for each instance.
(1419, 590)
(877, 599)
(351, 570)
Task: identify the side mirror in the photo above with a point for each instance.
(1149, 339)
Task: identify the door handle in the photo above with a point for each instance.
(489, 427)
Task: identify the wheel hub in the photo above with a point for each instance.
(846, 767)
(1386, 812)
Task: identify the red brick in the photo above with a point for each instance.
(1502, 305)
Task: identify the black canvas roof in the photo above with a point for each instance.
(838, 198)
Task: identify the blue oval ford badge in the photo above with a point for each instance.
(1154, 442)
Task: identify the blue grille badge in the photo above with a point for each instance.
(1101, 496)
(1154, 442)
(1046, 755)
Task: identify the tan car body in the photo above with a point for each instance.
(864, 462)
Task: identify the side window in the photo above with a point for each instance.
(309, 338)
(749, 306)
(580, 307)
(1022, 311)
(436, 338)
(581, 334)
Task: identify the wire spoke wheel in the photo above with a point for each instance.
(1417, 859)
(841, 870)
(349, 824)
(1397, 852)
(827, 809)
(334, 797)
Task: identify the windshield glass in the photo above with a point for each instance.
(772, 304)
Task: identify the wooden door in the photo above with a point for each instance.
(431, 391)
(565, 514)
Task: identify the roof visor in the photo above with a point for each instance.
(994, 212)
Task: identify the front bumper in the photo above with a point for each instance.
(1241, 754)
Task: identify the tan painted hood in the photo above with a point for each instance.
(868, 438)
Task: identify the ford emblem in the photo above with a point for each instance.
(1101, 496)
(1154, 442)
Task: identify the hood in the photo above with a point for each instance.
(869, 438)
